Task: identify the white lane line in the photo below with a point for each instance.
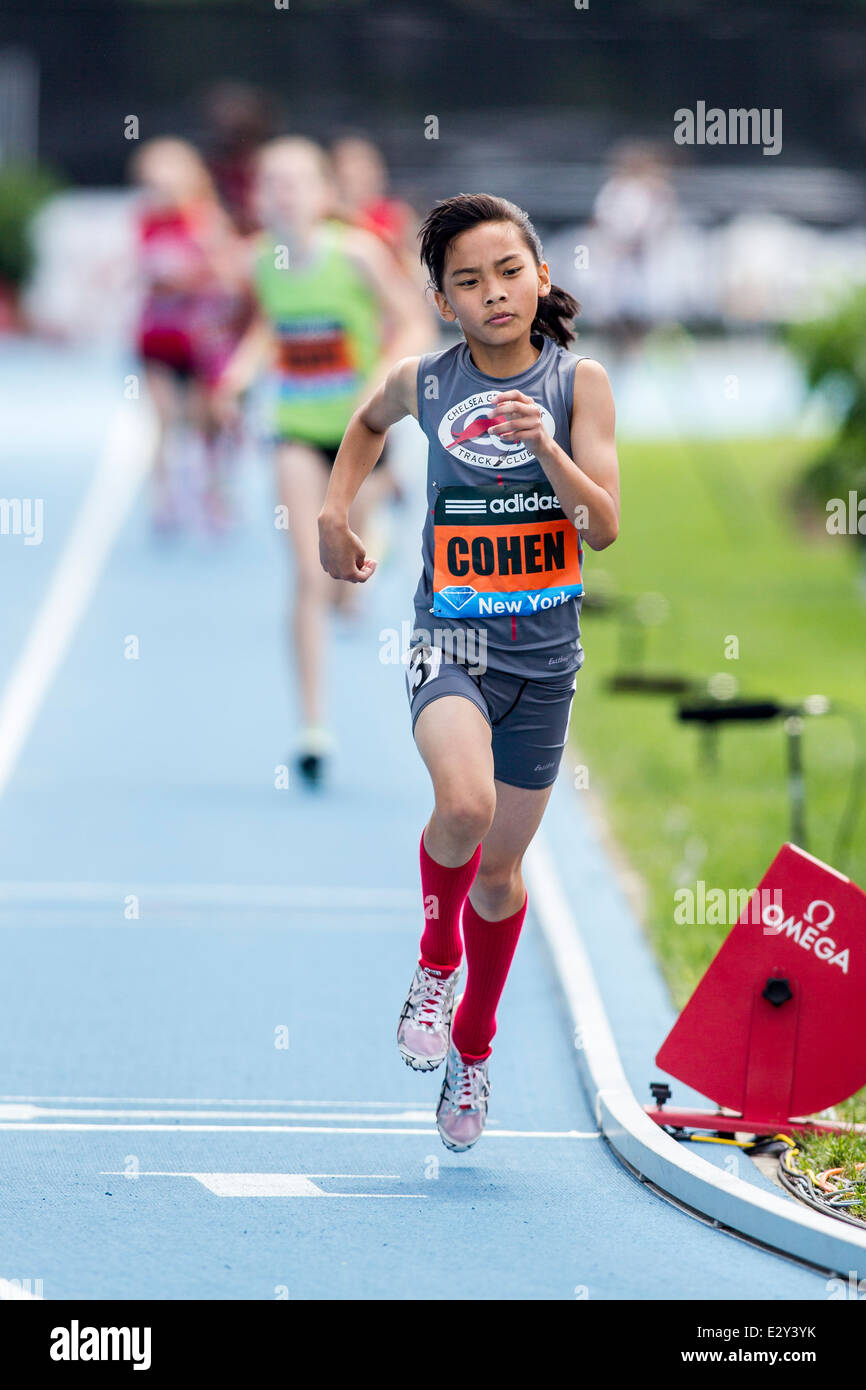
(35, 1112)
(64, 1128)
(572, 963)
(301, 898)
(173, 1173)
(210, 1100)
(278, 1184)
(107, 503)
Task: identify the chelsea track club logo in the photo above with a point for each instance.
(464, 432)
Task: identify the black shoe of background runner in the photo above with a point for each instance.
(311, 767)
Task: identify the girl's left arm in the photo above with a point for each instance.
(588, 491)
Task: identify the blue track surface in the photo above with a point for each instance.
(263, 910)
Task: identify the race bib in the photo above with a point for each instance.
(314, 356)
(424, 664)
(500, 550)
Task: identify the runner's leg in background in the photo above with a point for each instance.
(167, 396)
(219, 446)
(302, 483)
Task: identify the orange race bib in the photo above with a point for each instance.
(499, 550)
(314, 355)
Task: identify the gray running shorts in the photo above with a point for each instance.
(529, 719)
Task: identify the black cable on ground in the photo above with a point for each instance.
(802, 1183)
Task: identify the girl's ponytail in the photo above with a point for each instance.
(556, 313)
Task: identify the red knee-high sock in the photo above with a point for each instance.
(444, 892)
(490, 948)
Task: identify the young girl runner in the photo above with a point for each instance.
(508, 413)
(193, 313)
(333, 319)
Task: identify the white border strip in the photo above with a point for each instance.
(47, 1127)
(673, 1167)
(107, 503)
(207, 896)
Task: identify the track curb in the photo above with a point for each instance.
(730, 1202)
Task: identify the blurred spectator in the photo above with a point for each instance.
(83, 289)
(23, 190)
(634, 212)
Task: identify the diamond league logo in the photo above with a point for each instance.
(464, 432)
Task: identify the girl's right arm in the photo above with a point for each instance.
(251, 354)
(254, 351)
(342, 552)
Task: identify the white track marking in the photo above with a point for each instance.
(64, 1128)
(173, 1173)
(570, 958)
(210, 895)
(107, 503)
(277, 1184)
(35, 1112)
(210, 1100)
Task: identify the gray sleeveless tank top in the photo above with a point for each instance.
(501, 581)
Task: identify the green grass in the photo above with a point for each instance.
(707, 524)
(822, 1151)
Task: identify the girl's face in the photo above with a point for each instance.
(290, 189)
(491, 284)
(170, 176)
(360, 173)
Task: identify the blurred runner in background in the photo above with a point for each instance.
(361, 177)
(335, 312)
(239, 119)
(193, 313)
(363, 200)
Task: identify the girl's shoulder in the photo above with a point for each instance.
(357, 243)
(590, 387)
(587, 368)
(579, 366)
(432, 367)
(442, 357)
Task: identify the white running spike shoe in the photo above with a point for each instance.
(424, 1030)
(462, 1111)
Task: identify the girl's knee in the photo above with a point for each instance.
(497, 875)
(467, 812)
